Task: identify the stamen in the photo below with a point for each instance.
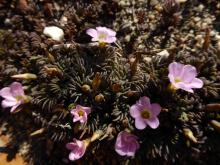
(146, 114)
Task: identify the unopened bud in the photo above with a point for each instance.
(86, 88)
(99, 98)
(96, 81)
(213, 107)
(216, 125)
(87, 142)
(25, 76)
(96, 135)
(189, 134)
(37, 132)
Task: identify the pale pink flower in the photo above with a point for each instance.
(80, 113)
(184, 77)
(126, 144)
(145, 113)
(13, 96)
(77, 149)
(102, 34)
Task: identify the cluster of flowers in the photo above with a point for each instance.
(144, 113)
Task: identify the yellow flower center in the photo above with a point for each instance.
(102, 36)
(146, 114)
(81, 113)
(177, 79)
(19, 97)
(23, 98)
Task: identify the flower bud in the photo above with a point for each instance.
(86, 88)
(189, 134)
(25, 76)
(99, 98)
(216, 125)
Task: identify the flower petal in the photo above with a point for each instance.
(87, 110)
(140, 123)
(110, 39)
(155, 109)
(6, 93)
(196, 83)
(184, 86)
(71, 146)
(83, 119)
(73, 156)
(14, 107)
(171, 78)
(188, 74)
(120, 151)
(8, 103)
(175, 69)
(135, 111)
(145, 101)
(101, 29)
(77, 118)
(111, 32)
(92, 33)
(153, 122)
(134, 145)
(16, 89)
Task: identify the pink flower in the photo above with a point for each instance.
(102, 34)
(184, 77)
(145, 113)
(13, 96)
(80, 113)
(126, 144)
(78, 149)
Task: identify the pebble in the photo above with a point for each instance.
(147, 59)
(63, 20)
(201, 7)
(54, 32)
(196, 19)
(7, 22)
(212, 33)
(217, 37)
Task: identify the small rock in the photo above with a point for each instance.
(7, 22)
(201, 7)
(212, 33)
(217, 37)
(54, 32)
(63, 20)
(197, 19)
(147, 59)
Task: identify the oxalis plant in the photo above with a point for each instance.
(89, 102)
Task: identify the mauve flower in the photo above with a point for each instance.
(102, 34)
(145, 113)
(77, 149)
(126, 144)
(184, 77)
(80, 113)
(13, 96)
